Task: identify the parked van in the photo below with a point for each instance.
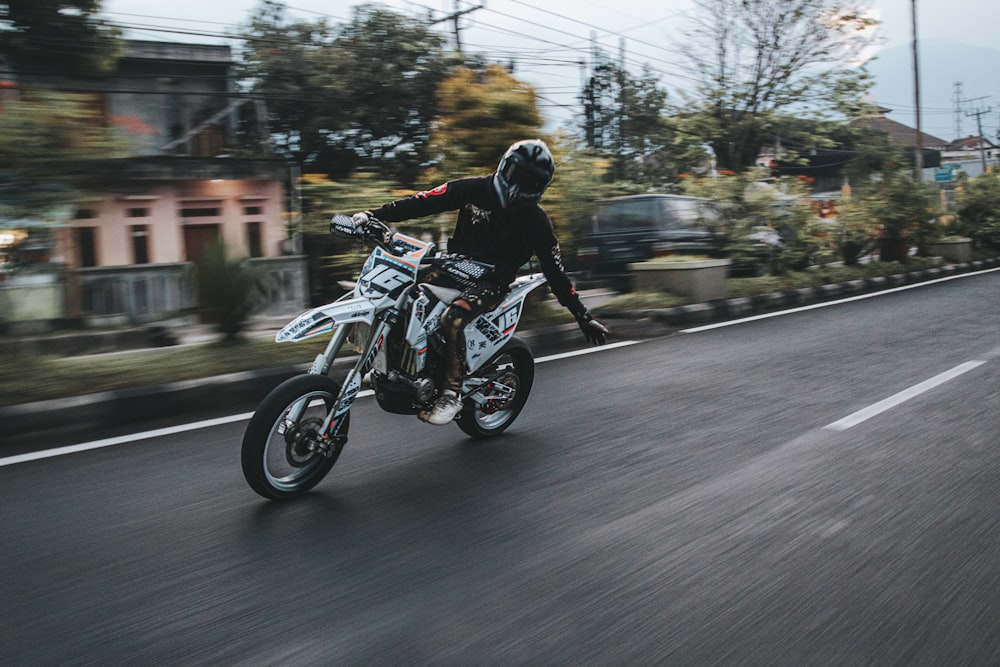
(639, 227)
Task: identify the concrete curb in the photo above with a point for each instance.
(732, 308)
(144, 404)
(135, 405)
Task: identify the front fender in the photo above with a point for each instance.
(322, 319)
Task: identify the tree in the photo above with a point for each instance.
(47, 141)
(61, 37)
(580, 181)
(757, 59)
(624, 119)
(482, 111)
(601, 99)
(357, 95)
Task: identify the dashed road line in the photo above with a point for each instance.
(898, 399)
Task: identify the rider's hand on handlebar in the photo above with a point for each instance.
(370, 227)
(361, 226)
(593, 331)
(361, 221)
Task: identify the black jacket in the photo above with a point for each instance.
(506, 238)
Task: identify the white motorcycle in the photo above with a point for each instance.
(300, 429)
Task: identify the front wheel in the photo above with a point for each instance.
(502, 399)
(281, 454)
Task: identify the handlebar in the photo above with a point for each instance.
(374, 230)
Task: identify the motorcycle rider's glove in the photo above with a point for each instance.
(593, 331)
(361, 221)
(371, 228)
(363, 226)
(341, 225)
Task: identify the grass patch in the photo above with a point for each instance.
(679, 259)
(36, 378)
(643, 301)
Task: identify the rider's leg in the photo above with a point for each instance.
(467, 307)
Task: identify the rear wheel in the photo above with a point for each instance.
(281, 454)
(514, 371)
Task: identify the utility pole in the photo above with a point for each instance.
(453, 17)
(623, 107)
(979, 113)
(918, 157)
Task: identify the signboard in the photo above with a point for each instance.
(945, 173)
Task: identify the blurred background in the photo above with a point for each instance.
(136, 140)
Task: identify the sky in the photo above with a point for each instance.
(550, 40)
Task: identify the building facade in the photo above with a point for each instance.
(128, 250)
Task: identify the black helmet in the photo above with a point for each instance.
(524, 172)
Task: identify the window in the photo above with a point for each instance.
(86, 246)
(630, 214)
(254, 239)
(253, 210)
(140, 244)
(201, 212)
(84, 214)
(139, 212)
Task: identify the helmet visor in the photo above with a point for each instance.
(524, 178)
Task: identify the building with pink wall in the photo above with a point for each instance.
(199, 171)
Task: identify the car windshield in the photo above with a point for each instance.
(621, 215)
(650, 214)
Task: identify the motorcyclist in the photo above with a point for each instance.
(499, 223)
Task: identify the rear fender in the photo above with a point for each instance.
(491, 331)
(323, 319)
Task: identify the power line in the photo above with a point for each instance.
(527, 58)
(455, 15)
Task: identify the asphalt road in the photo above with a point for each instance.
(740, 495)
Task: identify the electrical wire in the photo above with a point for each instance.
(543, 62)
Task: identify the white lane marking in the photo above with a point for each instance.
(208, 423)
(587, 350)
(903, 396)
(122, 439)
(825, 304)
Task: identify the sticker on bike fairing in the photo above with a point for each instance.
(386, 274)
(495, 327)
(348, 399)
(409, 246)
(488, 329)
(369, 360)
(508, 319)
(310, 326)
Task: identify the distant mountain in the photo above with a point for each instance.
(942, 63)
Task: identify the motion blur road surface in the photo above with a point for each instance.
(815, 488)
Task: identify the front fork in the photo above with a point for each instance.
(328, 440)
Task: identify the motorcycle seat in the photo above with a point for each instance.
(443, 294)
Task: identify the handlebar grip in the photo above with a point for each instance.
(342, 225)
(376, 230)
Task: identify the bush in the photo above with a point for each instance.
(854, 231)
(745, 205)
(903, 211)
(979, 213)
(228, 289)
